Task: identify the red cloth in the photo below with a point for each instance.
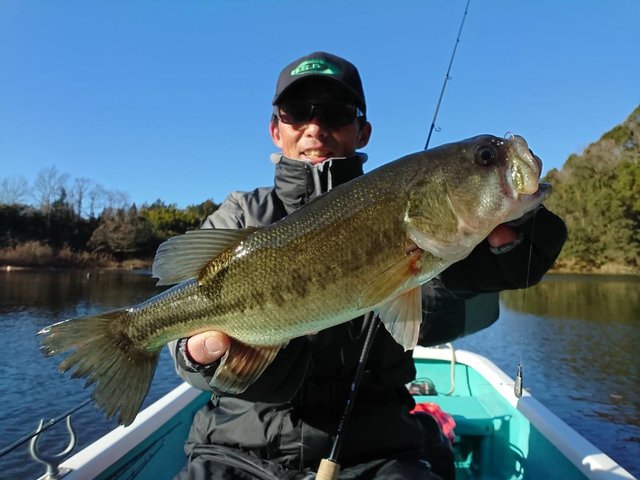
(446, 421)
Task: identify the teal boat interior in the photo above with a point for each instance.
(497, 435)
(493, 440)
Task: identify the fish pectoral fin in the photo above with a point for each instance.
(402, 316)
(387, 283)
(183, 257)
(242, 365)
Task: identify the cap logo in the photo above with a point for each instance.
(316, 65)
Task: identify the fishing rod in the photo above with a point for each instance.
(329, 468)
(517, 388)
(447, 76)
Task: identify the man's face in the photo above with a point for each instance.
(312, 140)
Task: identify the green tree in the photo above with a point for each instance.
(124, 234)
(627, 184)
(21, 223)
(597, 195)
(202, 211)
(169, 220)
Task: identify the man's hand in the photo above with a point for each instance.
(207, 347)
(502, 235)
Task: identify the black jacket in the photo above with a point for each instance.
(291, 412)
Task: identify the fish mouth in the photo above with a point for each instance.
(528, 202)
(523, 168)
(543, 191)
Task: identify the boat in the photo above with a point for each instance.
(497, 434)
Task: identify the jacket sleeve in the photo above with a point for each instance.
(228, 215)
(448, 314)
(464, 298)
(541, 238)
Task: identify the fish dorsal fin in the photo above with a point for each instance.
(182, 257)
(242, 365)
(402, 316)
(388, 282)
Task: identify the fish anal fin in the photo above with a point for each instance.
(242, 365)
(388, 282)
(183, 257)
(402, 317)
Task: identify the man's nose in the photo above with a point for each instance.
(316, 128)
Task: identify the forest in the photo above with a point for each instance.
(597, 193)
(56, 222)
(62, 228)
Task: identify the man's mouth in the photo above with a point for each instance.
(316, 155)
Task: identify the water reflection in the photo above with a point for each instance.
(585, 297)
(55, 292)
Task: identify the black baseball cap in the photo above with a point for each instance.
(322, 65)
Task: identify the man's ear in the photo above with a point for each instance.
(274, 130)
(364, 135)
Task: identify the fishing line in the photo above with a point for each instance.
(517, 387)
(45, 426)
(447, 77)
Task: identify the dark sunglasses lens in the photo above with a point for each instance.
(333, 115)
(336, 115)
(295, 112)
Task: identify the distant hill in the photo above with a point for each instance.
(598, 194)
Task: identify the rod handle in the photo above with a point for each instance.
(328, 470)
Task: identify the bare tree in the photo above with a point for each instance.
(97, 198)
(48, 186)
(14, 190)
(117, 199)
(78, 194)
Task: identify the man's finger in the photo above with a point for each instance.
(502, 235)
(207, 347)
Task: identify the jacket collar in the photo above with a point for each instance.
(297, 181)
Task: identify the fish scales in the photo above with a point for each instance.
(247, 294)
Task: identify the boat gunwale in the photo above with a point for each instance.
(111, 447)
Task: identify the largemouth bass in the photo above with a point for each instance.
(366, 245)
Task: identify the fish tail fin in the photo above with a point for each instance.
(106, 357)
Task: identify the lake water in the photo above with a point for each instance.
(577, 337)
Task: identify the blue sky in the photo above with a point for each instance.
(171, 99)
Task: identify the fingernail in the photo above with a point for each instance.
(212, 345)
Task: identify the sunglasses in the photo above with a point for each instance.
(331, 115)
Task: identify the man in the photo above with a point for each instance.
(284, 422)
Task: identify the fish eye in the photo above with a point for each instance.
(486, 155)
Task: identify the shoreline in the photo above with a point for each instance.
(129, 266)
(141, 265)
